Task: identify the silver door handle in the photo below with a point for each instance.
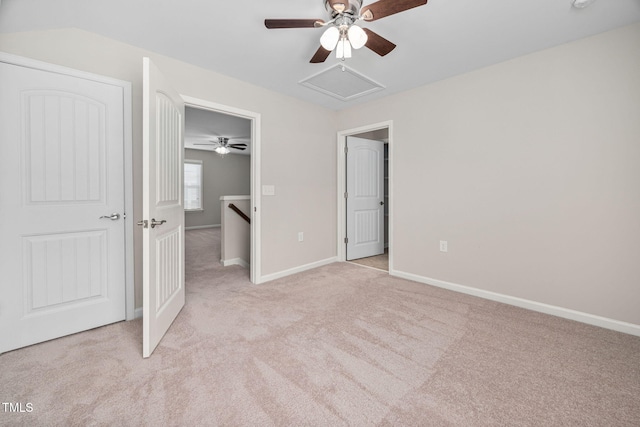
(112, 217)
(154, 222)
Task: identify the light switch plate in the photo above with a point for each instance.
(268, 190)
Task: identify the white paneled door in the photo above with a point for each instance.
(62, 234)
(163, 210)
(365, 197)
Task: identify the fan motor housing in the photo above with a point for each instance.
(336, 7)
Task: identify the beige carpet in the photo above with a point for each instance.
(338, 345)
(381, 262)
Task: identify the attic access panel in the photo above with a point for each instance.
(342, 82)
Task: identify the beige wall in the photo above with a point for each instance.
(298, 140)
(530, 169)
(222, 177)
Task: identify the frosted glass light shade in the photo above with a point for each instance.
(329, 38)
(357, 36)
(222, 150)
(344, 49)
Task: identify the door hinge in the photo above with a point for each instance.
(346, 195)
(346, 150)
(346, 240)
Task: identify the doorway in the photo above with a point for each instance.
(217, 156)
(381, 135)
(244, 121)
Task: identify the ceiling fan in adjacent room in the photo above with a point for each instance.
(342, 34)
(221, 145)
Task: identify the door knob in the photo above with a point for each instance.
(112, 217)
(154, 222)
(381, 203)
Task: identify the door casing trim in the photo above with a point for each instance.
(341, 253)
(255, 263)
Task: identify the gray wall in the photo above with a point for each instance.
(228, 176)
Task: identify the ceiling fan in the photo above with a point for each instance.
(221, 145)
(342, 34)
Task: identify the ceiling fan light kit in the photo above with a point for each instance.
(342, 34)
(330, 38)
(343, 50)
(357, 36)
(222, 151)
(221, 146)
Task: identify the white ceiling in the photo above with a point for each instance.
(436, 41)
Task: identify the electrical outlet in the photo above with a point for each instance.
(300, 236)
(443, 246)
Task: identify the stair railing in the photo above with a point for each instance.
(239, 212)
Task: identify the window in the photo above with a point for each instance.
(193, 185)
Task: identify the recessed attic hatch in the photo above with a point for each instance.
(342, 82)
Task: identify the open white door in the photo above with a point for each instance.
(163, 224)
(365, 197)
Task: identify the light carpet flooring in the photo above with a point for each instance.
(337, 345)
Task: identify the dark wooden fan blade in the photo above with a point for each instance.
(292, 23)
(383, 8)
(321, 55)
(238, 148)
(377, 43)
(238, 145)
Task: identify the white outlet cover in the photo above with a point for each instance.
(443, 246)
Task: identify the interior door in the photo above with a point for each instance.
(163, 224)
(62, 247)
(365, 197)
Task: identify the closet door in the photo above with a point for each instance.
(62, 245)
(365, 197)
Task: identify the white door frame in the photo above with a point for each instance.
(128, 158)
(255, 263)
(342, 187)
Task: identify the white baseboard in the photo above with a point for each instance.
(591, 319)
(201, 227)
(299, 269)
(234, 261)
(138, 313)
